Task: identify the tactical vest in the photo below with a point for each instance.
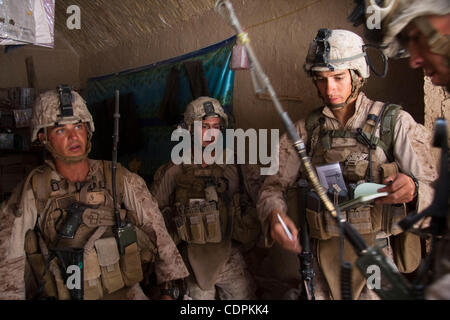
(104, 269)
(355, 151)
(202, 205)
(204, 220)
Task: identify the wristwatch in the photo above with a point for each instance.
(172, 292)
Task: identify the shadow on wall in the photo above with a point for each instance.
(402, 85)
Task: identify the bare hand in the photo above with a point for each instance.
(279, 235)
(400, 188)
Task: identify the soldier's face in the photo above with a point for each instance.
(433, 65)
(208, 124)
(334, 86)
(68, 140)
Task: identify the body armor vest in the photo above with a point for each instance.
(358, 153)
(204, 220)
(202, 205)
(360, 158)
(103, 269)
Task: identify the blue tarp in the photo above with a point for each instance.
(147, 86)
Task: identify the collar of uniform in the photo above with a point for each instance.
(92, 164)
(358, 108)
(199, 166)
(227, 156)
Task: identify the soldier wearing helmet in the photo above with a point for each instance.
(49, 112)
(419, 29)
(369, 140)
(40, 238)
(209, 211)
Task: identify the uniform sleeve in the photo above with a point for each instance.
(17, 215)
(414, 155)
(169, 264)
(272, 195)
(163, 187)
(253, 180)
(232, 176)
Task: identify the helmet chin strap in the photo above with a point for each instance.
(67, 159)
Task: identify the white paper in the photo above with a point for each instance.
(33, 22)
(369, 188)
(17, 21)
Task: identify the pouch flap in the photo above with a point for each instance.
(107, 251)
(91, 266)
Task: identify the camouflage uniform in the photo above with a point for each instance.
(343, 50)
(395, 16)
(271, 196)
(27, 208)
(232, 280)
(19, 214)
(202, 208)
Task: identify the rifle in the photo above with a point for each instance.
(396, 286)
(125, 233)
(71, 257)
(306, 257)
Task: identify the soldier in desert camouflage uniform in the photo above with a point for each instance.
(337, 64)
(31, 220)
(203, 205)
(420, 30)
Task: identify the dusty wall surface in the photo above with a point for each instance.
(280, 33)
(52, 66)
(280, 44)
(437, 105)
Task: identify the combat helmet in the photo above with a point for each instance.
(203, 107)
(394, 16)
(333, 50)
(59, 107)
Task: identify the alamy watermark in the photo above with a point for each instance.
(74, 20)
(220, 153)
(373, 20)
(374, 280)
(74, 280)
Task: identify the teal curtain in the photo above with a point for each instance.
(146, 87)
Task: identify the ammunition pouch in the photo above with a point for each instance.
(93, 289)
(391, 216)
(199, 223)
(355, 166)
(407, 251)
(108, 260)
(130, 264)
(323, 226)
